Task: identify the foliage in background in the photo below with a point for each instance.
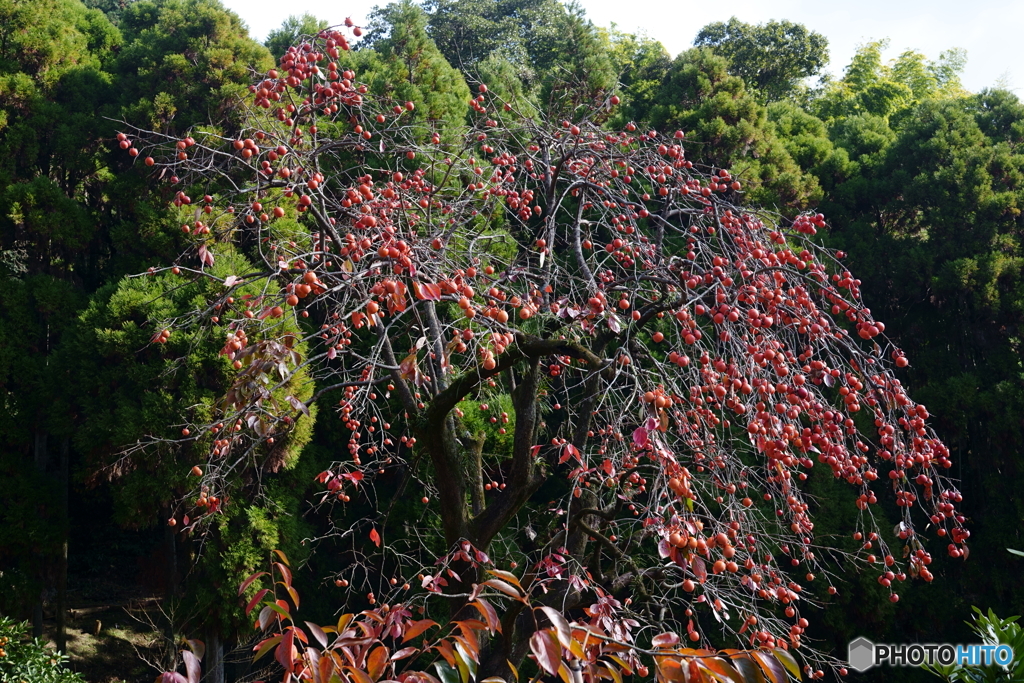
(288, 34)
(993, 631)
(920, 180)
(773, 59)
(28, 660)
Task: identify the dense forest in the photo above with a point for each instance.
(920, 181)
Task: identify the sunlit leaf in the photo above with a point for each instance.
(489, 614)
(192, 669)
(446, 672)
(750, 672)
(545, 648)
(264, 647)
(283, 655)
(376, 662)
(560, 624)
(774, 671)
(416, 628)
(198, 647)
(318, 633)
(501, 586)
(670, 639)
(787, 661)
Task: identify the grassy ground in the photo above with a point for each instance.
(112, 631)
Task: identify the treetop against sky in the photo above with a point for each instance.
(986, 32)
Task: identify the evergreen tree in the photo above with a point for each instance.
(773, 59)
(280, 39)
(727, 128)
(184, 62)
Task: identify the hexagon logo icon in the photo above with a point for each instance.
(861, 654)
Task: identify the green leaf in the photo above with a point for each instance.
(446, 672)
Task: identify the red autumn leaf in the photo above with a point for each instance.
(547, 651)
(562, 630)
(669, 639)
(256, 600)
(488, 612)
(205, 255)
(700, 569)
(354, 477)
(284, 655)
(248, 581)
(375, 537)
(427, 291)
(318, 633)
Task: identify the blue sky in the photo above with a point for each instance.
(992, 31)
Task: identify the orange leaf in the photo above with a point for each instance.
(427, 292)
(416, 628)
(499, 585)
(722, 668)
(445, 648)
(376, 662)
(292, 593)
(489, 613)
(375, 537)
(507, 576)
(771, 667)
(359, 675)
(468, 641)
(326, 667)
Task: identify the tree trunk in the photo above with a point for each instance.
(213, 662)
(41, 458)
(171, 550)
(170, 589)
(62, 559)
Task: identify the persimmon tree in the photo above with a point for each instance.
(592, 365)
